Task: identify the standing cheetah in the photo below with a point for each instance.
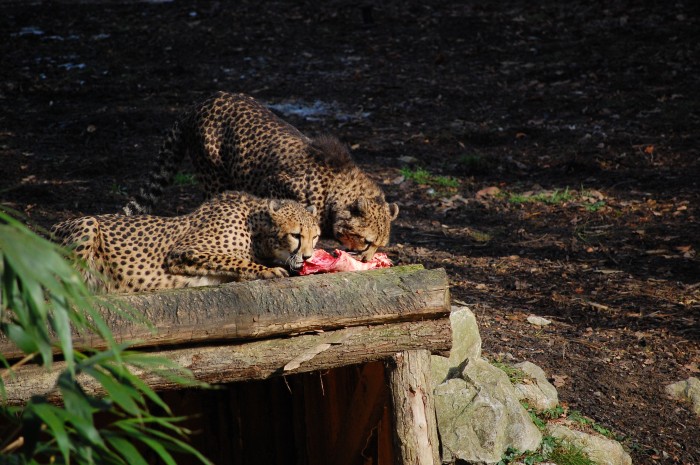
(237, 143)
(232, 237)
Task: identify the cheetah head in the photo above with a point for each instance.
(364, 226)
(295, 231)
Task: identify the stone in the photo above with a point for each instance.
(536, 390)
(479, 416)
(466, 344)
(601, 450)
(538, 320)
(688, 390)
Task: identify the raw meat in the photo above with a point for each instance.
(324, 262)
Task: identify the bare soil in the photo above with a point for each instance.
(571, 128)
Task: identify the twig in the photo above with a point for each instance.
(24, 361)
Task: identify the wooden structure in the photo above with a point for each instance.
(325, 369)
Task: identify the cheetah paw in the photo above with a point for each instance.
(274, 273)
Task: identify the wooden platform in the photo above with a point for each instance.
(325, 369)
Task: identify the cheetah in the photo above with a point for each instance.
(233, 236)
(237, 143)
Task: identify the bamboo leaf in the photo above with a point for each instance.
(52, 417)
(122, 394)
(127, 450)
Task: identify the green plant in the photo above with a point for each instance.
(577, 417)
(565, 453)
(42, 299)
(515, 375)
(422, 176)
(117, 189)
(184, 179)
(553, 413)
(472, 163)
(513, 455)
(551, 450)
(552, 198)
(594, 207)
(539, 422)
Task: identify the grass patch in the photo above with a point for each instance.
(184, 179)
(577, 417)
(569, 454)
(551, 198)
(117, 189)
(539, 422)
(472, 163)
(595, 206)
(515, 375)
(422, 176)
(552, 450)
(553, 413)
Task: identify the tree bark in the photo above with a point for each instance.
(415, 426)
(267, 358)
(271, 308)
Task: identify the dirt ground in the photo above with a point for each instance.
(571, 130)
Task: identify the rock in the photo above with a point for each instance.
(480, 416)
(688, 390)
(601, 450)
(538, 320)
(466, 344)
(537, 391)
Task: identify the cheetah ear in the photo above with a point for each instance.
(312, 209)
(274, 205)
(393, 211)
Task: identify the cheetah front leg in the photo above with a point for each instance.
(218, 266)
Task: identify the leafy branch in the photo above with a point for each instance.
(43, 301)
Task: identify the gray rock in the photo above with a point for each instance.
(688, 390)
(479, 416)
(466, 344)
(602, 451)
(537, 391)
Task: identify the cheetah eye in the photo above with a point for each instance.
(296, 236)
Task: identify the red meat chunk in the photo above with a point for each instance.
(324, 262)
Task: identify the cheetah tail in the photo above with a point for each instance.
(160, 175)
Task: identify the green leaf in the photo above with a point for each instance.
(127, 450)
(122, 394)
(61, 324)
(158, 449)
(52, 417)
(20, 337)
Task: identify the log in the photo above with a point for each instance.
(272, 308)
(415, 425)
(262, 359)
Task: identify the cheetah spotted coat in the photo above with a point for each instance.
(237, 143)
(232, 237)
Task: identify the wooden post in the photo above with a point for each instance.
(415, 426)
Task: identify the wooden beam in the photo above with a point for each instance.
(263, 359)
(415, 426)
(272, 308)
(366, 408)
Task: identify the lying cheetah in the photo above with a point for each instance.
(226, 239)
(237, 143)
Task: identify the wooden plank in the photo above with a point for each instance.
(272, 308)
(385, 438)
(367, 405)
(266, 358)
(415, 430)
